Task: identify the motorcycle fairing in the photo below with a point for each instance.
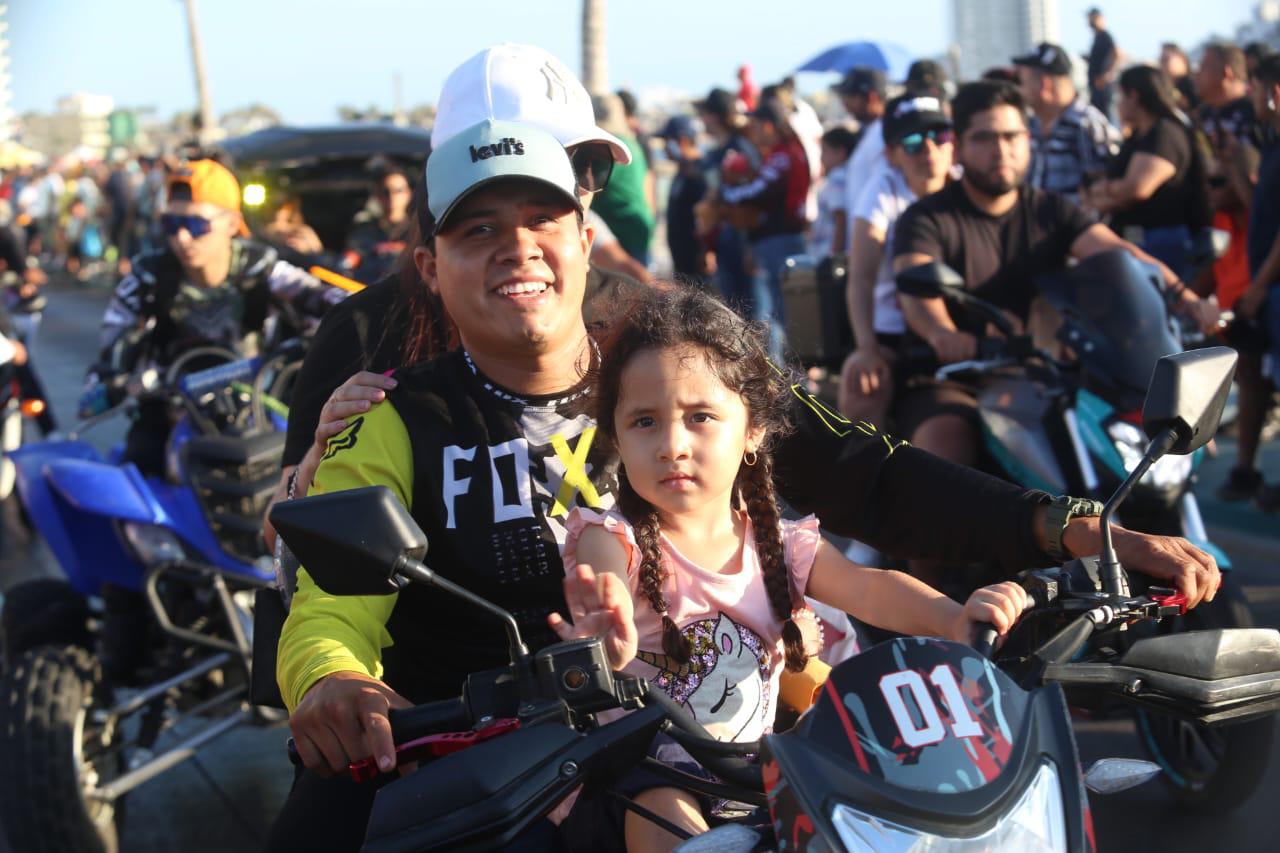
(1012, 411)
(848, 749)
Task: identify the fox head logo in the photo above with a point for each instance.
(343, 441)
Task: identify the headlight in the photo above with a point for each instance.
(254, 195)
(1035, 824)
(153, 544)
(1168, 472)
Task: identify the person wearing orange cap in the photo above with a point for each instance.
(208, 286)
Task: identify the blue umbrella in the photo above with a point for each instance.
(892, 59)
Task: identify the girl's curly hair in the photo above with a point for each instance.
(736, 351)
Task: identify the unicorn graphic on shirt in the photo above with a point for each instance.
(725, 684)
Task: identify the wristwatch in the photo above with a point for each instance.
(1061, 510)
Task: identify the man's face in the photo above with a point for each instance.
(1095, 22)
(1264, 96)
(858, 106)
(1030, 82)
(511, 267)
(1173, 63)
(197, 251)
(995, 151)
(394, 194)
(1210, 77)
(927, 165)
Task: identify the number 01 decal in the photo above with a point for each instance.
(929, 728)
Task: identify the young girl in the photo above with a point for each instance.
(694, 580)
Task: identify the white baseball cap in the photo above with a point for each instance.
(523, 84)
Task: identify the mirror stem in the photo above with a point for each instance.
(415, 570)
(1110, 571)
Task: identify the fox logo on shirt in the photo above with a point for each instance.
(510, 146)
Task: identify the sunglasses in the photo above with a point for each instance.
(196, 226)
(914, 143)
(592, 165)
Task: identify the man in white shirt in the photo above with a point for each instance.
(862, 91)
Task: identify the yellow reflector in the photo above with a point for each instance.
(254, 194)
(33, 408)
(330, 277)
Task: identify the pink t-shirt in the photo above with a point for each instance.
(731, 684)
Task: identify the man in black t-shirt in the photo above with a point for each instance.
(998, 234)
(1103, 58)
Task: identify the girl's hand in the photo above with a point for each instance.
(600, 606)
(999, 605)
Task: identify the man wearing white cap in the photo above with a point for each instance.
(393, 322)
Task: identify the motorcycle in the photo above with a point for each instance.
(152, 628)
(1077, 429)
(916, 743)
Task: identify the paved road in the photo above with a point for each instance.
(224, 799)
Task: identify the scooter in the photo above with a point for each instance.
(152, 627)
(1077, 429)
(916, 743)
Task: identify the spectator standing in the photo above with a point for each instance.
(1254, 53)
(378, 232)
(1175, 64)
(926, 77)
(1156, 190)
(724, 122)
(829, 234)
(1258, 310)
(862, 91)
(624, 203)
(1222, 84)
(777, 195)
(631, 109)
(1071, 140)
(748, 91)
(688, 188)
(1103, 61)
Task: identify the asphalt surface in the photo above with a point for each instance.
(224, 799)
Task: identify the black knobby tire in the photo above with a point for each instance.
(44, 612)
(1210, 770)
(51, 752)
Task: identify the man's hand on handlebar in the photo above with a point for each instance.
(600, 606)
(952, 346)
(343, 719)
(1171, 559)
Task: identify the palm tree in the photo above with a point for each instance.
(595, 68)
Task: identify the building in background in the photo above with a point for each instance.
(986, 33)
(1263, 26)
(80, 125)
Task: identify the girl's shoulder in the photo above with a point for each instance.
(592, 535)
(801, 539)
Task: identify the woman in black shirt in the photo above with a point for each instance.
(1155, 190)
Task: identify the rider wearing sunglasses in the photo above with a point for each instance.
(209, 286)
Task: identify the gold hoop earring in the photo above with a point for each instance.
(749, 462)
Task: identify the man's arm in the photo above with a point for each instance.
(929, 318)
(301, 289)
(768, 184)
(123, 313)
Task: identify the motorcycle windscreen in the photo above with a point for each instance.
(1114, 317)
(920, 714)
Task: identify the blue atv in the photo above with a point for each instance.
(153, 625)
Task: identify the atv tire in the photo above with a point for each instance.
(45, 612)
(53, 753)
(1210, 770)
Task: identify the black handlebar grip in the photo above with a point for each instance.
(985, 644)
(294, 758)
(446, 715)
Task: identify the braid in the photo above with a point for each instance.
(644, 521)
(766, 521)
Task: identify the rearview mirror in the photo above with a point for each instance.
(349, 541)
(1187, 393)
(929, 280)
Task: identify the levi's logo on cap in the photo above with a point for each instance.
(510, 146)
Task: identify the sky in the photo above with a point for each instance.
(305, 58)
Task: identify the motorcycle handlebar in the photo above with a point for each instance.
(985, 643)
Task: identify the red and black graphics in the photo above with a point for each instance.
(920, 714)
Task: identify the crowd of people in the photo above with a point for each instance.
(518, 323)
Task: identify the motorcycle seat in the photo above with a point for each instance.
(1209, 655)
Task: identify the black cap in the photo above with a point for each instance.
(925, 77)
(679, 127)
(1047, 57)
(908, 114)
(718, 102)
(770, 110)
(862, 81)
(1093, 10)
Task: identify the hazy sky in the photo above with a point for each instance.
(305, 57)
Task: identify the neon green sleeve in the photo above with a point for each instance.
(329, 633)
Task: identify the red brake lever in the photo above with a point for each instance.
(433, 746)
(1173, 599)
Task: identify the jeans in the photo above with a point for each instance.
(731, 269)
(1170, 246)
(771, 255)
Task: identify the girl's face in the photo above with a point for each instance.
(681, 433)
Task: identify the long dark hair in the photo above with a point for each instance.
(429, 330)
(675, 316)
(1153, 89)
